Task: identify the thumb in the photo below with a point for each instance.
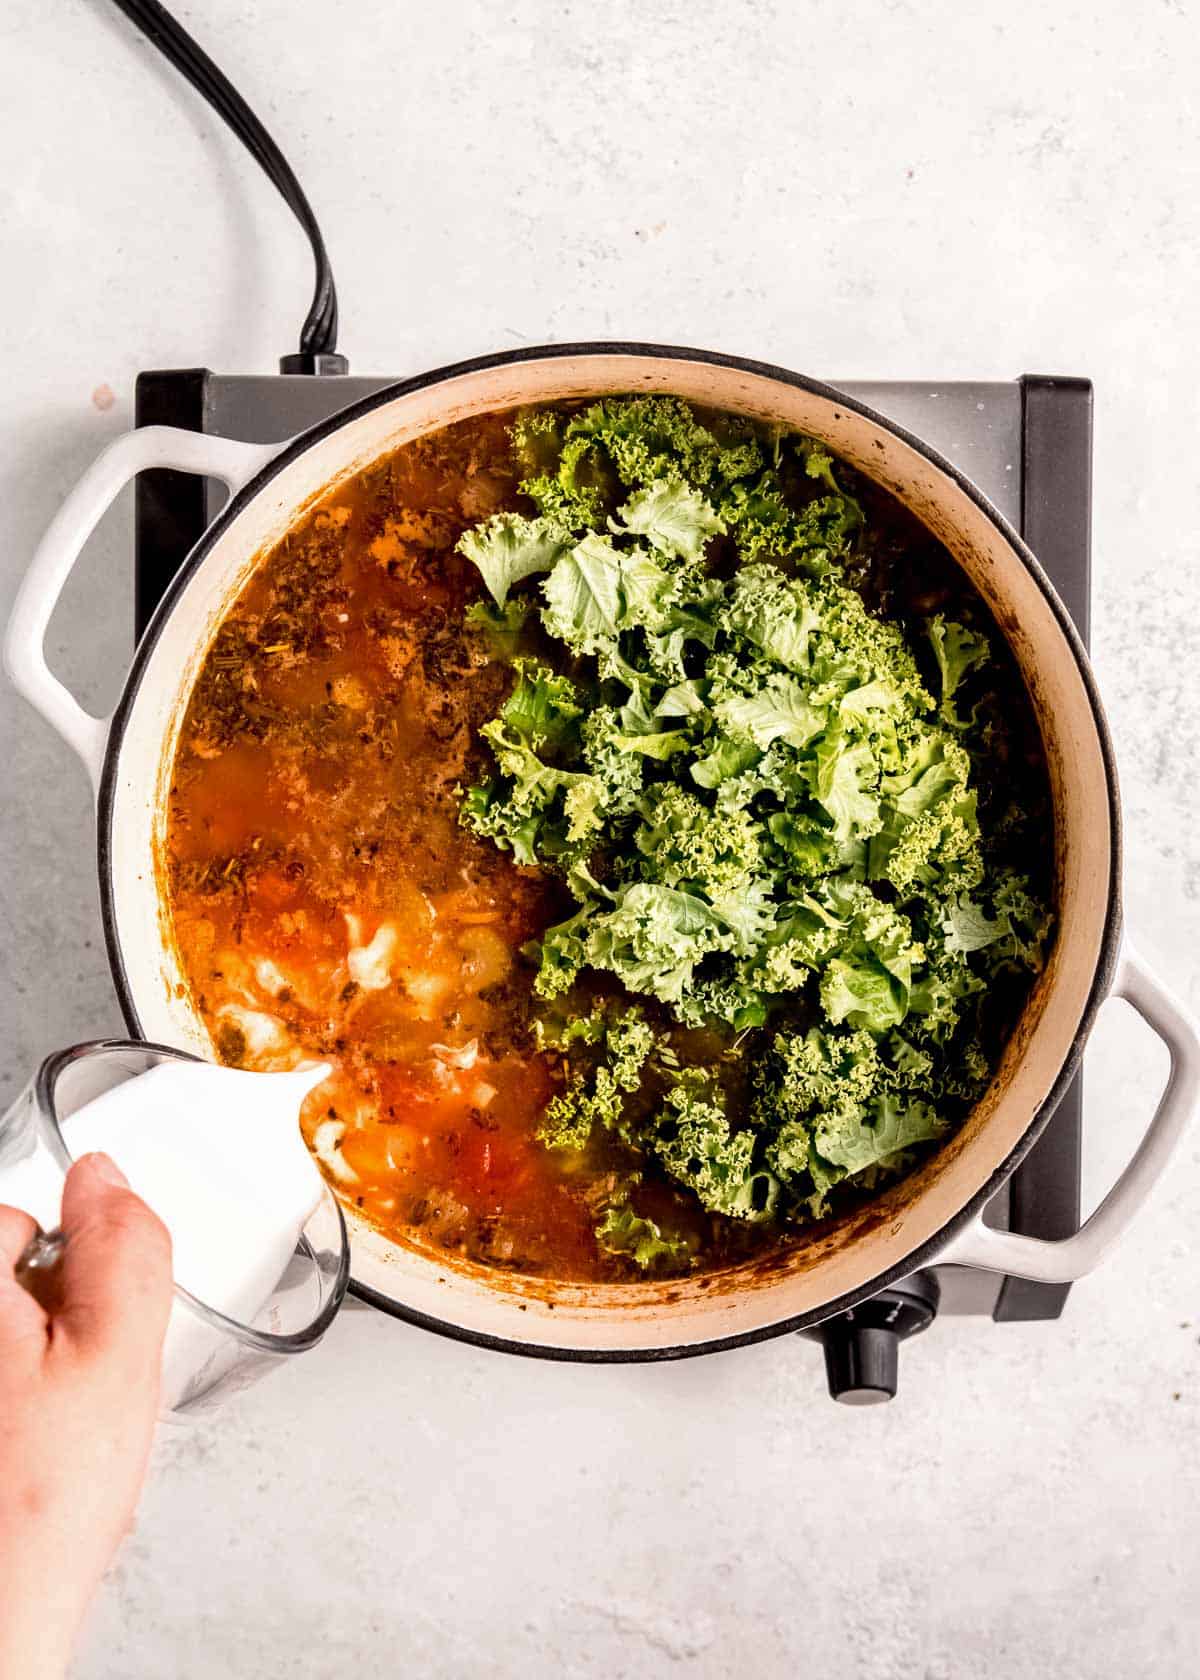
(116, 1268)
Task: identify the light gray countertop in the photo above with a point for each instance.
(878, 191)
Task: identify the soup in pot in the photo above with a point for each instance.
(635, 807)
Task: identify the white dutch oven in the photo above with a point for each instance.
(935, 1215)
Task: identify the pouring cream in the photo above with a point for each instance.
(217, 1153)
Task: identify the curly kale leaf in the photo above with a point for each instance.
(561, 481)
(957, 651)
(507, 548)
(774, 614)
(653, 438)
(501, 628)
(543, 707)
(723, 761)
(841, 1110)
(539, 809)
(615, 1045)
(689, 845)
(595, 591)
(697, 1146)
(1016, 934)
(779, 711)
(607, 755)
(857, 1145)
(651, 938)
(671, 517)
(626, 1233)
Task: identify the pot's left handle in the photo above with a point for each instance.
(24, 643)
(990, 1250)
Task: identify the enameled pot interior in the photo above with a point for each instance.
(845, 1260)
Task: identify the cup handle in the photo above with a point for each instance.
(24, 644)
(1064, 1261)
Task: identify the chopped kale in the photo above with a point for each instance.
(763, 798)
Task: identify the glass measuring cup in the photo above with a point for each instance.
(207, 1354)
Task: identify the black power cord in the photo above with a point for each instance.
(318, 351)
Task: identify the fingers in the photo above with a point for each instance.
(17, 1229)
(22, 1321)
(116, 1282)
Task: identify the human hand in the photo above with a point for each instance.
(78, 1399)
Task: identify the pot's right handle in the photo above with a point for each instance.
(1072, 1257)
(24, 644)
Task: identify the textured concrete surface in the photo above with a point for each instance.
(879, 191)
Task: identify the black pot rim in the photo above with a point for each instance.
(1106, 963)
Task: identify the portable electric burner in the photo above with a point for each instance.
(1027, 444)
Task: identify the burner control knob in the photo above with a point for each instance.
(862, 1346)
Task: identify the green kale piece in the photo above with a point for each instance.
(558, 479)
(543, 706)
(537, 439)
(607, 756)
(936, 999)
(818, 463)
(501, 627)
(507, 548)
(766, 526)
(819, 1072)
(759, 518)
(868, 982)
(684, 700)
(652, 438)
(778, 711)
(1021, 922)
(572, 1113)
(724, 761)
(893, 1127)
(740, 1003)
(621, 1041)
(846, 784)
(857, 989)
(774, 613)
(562, 953)
(539, 810)
(957, 651)
(966, 926)
(628, 1042)
(626, 1233)
(697, 1146)
(596, 590)
(841, 1111)
(673, 518)
(689, 845)
(652, 939)
(930, 831)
